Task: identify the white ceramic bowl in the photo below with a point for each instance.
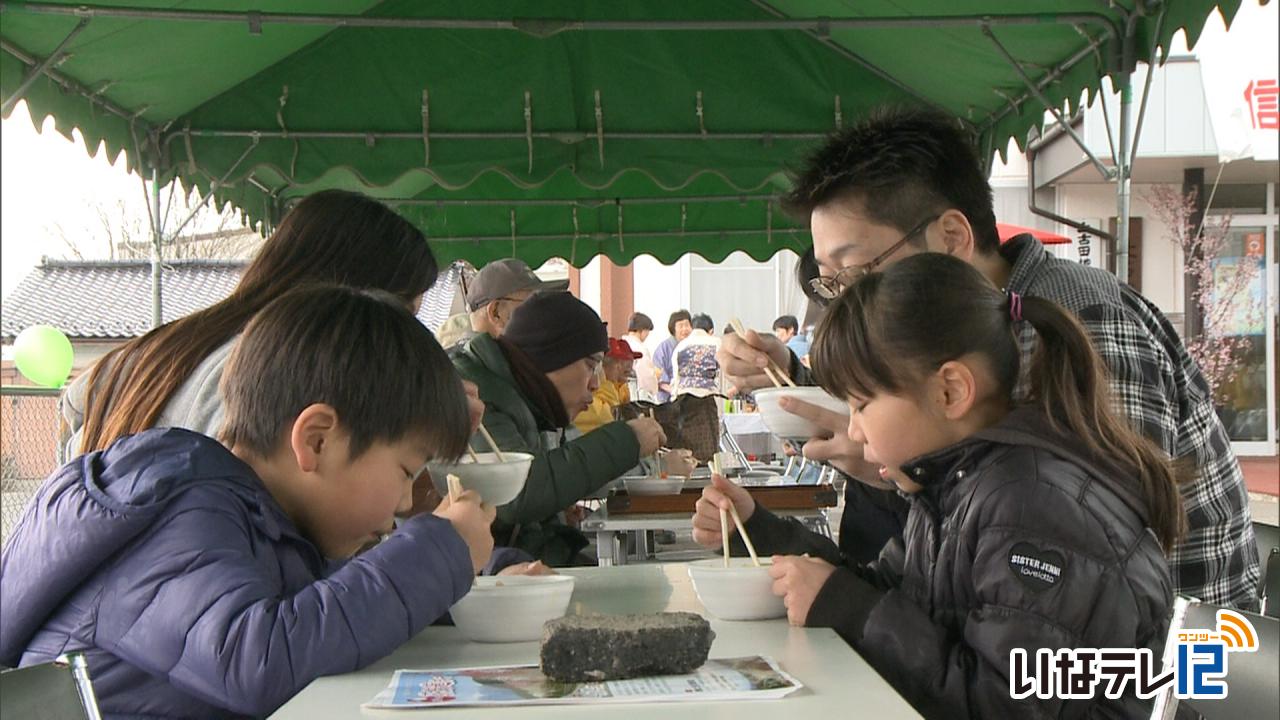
(739, 592)
(497, 482)
(646, 485)
(512, 608)
(789, 426)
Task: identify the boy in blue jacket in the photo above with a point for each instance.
(211, 579)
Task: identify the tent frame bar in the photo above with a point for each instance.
(587, 202)
(1107, 173)
(54, 58)
(1051, 77)
(570, 137)
(94, 98)
(632, 234)
(826, 41)
(545, 27)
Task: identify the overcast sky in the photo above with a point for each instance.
(47, 179)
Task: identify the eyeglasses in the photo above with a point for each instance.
(829, 288)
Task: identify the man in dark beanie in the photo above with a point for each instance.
(533, 380)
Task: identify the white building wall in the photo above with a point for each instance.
(741, 287)
(589, 285)
(659, 291)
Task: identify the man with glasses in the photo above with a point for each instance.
(498, 289)
(909, 181)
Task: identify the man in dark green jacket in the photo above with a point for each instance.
(533, 380)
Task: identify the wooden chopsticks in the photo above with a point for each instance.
(737, 521)
(746, 539)
(493, 444)
(455, 487)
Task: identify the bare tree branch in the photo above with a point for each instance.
(126, 231)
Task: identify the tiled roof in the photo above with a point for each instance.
(112, 299)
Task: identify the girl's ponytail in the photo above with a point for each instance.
(1069, 382)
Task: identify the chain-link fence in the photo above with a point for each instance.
(31, 431)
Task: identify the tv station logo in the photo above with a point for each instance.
(1197, 669)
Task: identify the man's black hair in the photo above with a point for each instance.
(787, 322)
(901, 165)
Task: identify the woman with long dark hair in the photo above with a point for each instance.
(169, 377)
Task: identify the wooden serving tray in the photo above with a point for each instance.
(796, 497)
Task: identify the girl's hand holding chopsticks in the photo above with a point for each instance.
(721, 502)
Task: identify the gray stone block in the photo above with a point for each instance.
(583, 648)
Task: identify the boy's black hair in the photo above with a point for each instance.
(702, 321)
(787, 322)
(901, 165)
(676, 317)
(359, 351)
(639, 322)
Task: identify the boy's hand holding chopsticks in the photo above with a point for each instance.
(471, 518)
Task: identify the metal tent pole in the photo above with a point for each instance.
(1123, 175)
(157, 268)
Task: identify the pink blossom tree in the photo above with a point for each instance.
(1222, 291)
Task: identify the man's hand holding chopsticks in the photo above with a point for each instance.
(744, 357)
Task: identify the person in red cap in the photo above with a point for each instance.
(617, 368)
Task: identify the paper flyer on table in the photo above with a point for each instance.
(745, 678)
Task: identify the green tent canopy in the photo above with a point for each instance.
(556, 128)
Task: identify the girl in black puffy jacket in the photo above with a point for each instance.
(1036, 526)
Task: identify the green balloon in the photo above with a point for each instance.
(43, 354)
